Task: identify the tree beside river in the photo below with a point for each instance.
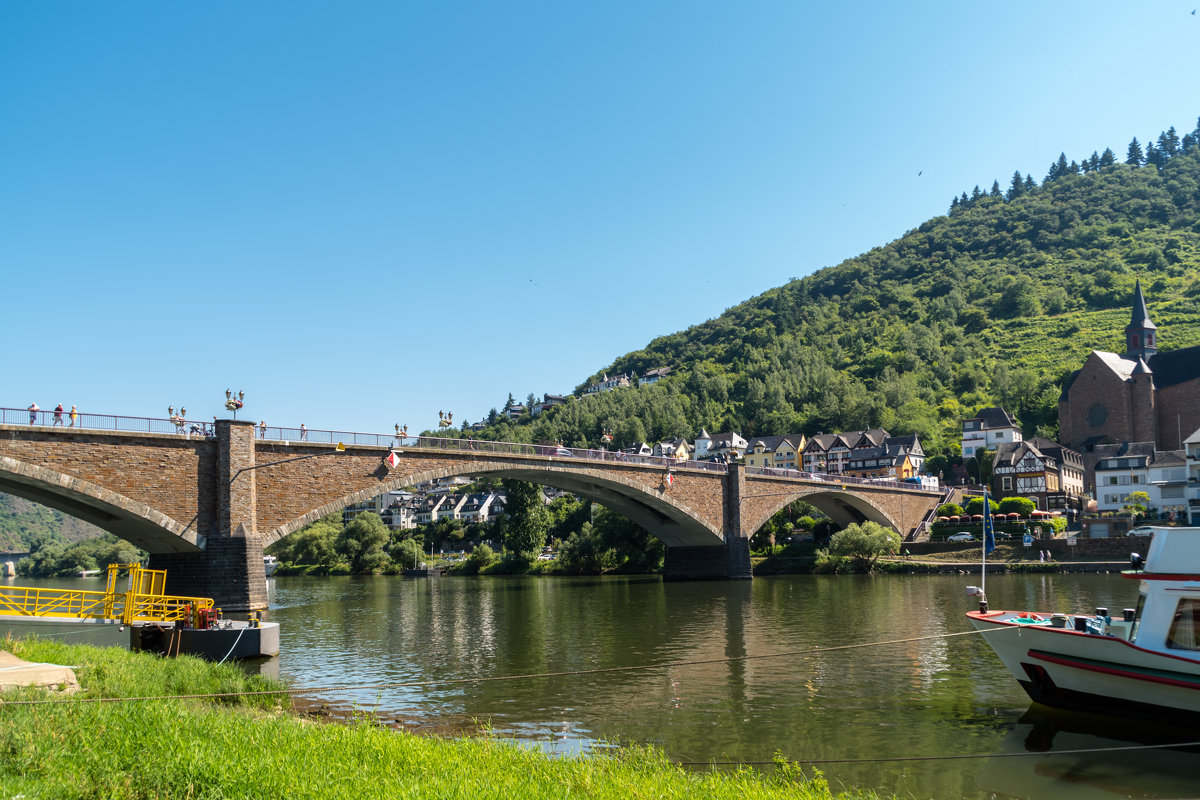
(53, 558)
(582, 538)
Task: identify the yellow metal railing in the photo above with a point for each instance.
(142, 601)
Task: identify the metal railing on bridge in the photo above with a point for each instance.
(68, 420)
(294, 435)
(194, 428)
(828, 477)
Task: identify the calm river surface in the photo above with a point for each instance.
(934, 697)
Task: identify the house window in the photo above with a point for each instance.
(1006, 483)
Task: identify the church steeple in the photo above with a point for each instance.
(1140, 333)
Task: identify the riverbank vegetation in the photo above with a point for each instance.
(55, 558)
(566, 536)
(252, 746)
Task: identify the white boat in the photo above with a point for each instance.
(1144, 662)
(269, 564)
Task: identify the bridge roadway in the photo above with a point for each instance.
(204, 500)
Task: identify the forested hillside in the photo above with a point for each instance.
(23, 522)
(994, 303)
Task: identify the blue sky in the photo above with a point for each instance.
(361, 213)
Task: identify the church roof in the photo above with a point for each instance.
(1141, 317)
(1122, 366)
(1169, 368)
(1175, 366)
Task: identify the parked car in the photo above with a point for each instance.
(961, 536)
(1144, 530)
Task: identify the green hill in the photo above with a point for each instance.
(22, 522)
(994, 303)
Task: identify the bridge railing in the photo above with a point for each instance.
(104, 422)
(824, 477)
(192, 428)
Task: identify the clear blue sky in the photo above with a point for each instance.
(361, 213)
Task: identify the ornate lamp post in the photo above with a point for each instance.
(177, 419)
(445, 420)
(401, 432)
(233, 403)
(606, 437)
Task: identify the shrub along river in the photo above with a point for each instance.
(899, 712)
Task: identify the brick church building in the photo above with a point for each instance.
(1141, 396)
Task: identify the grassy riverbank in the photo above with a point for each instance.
(251, 747)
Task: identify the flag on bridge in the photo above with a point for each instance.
(391, 459)
(670, 478)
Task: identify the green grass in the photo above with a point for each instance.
(254, 747)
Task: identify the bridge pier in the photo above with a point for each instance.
(230, 568)
(728, 561)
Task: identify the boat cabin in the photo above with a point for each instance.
(1168, 610)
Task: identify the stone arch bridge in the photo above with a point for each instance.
(205, 505)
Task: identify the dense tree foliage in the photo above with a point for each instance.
(527, 520)
(1017, 505)
(859, 544)
(24, 523)
(610, 543)
(53, 558)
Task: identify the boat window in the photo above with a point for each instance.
(1185, 626)
(1137, 617)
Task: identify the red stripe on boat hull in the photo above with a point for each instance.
(1137, 676)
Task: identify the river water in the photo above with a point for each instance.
(909, 689)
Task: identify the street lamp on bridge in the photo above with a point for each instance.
(234, 403)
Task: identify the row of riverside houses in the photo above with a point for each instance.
(870, 453)
(405, 511)
(862, 454)
(436, 500)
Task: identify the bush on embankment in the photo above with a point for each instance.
(250, 747)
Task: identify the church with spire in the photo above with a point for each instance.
(1141, 396)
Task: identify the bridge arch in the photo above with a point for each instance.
(842, 506)
(661, 514)
(135, 522)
